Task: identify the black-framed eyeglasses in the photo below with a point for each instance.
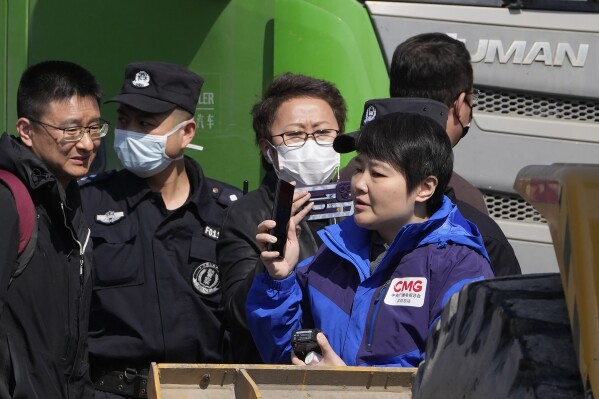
(298, 138)
(75, 133)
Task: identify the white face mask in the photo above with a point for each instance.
(143, 154)
(306, 165)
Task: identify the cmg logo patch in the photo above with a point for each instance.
(406, 291)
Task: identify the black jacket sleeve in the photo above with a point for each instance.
(9, 239)
(501, 253)
(467, 193)
(238, 259)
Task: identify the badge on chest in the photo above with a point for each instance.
(406, 291)
(110, 217)
(206, 278)
(211, 232)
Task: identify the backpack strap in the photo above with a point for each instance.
(27, 220)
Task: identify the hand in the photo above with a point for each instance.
(277, 267)
(329, 357)
(299, 209)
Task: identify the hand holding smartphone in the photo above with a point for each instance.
(281, 213)
(304, 341)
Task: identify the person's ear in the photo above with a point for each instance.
(264, 148)
(25, 131)
(189, 132)
(426, 189)
(459, 103)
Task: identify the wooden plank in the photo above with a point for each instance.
(224, 381)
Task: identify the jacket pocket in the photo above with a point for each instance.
(202, 249)
(118, 255)
(374, 313)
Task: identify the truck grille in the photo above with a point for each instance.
(511, 207)
(540, 106)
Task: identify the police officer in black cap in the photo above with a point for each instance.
(154, 226)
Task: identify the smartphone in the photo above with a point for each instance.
(281, 213)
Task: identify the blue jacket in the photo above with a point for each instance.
(381, 319)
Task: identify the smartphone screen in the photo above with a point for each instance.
(281, 213)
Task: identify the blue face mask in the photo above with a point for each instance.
(141, 153)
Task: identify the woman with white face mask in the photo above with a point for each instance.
(378, 284)
(295, 124)
(303, 151)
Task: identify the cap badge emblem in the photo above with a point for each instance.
(369, 115)
(142, 79)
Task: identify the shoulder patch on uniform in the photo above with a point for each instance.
(96, 178)
(224, 193)
(228, 196)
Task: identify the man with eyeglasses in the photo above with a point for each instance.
(156, 286)
(44, 301)
(437, 67)
(295, 124)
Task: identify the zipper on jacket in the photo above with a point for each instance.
(375, 313)
(76, 365)
(81, 247)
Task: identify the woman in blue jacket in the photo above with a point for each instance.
(382, 277)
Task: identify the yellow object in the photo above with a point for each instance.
(567, 195)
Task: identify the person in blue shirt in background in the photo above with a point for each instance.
(380, 280)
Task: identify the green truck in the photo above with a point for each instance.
(535, 63)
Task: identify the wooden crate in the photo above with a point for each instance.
(251, 381)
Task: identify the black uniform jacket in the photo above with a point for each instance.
(156, 286)
(44, 312)
(501, 253)
(239, 259)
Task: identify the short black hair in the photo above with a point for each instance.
(287, 87)
(50, 81)
(431, 65)
(414, 145)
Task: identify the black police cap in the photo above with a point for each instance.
(157, 87)
(379, 107)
